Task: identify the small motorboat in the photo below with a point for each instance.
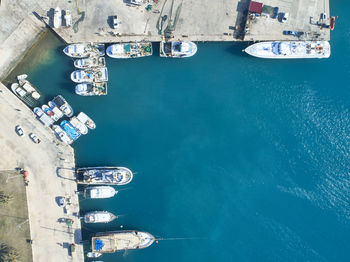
(93, 254)
(99, 217)
(91, 89)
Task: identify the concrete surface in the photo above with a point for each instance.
(303, 15)
(50, 167)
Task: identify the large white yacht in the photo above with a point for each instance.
(290, 49)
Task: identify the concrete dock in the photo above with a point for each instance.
(50, 166)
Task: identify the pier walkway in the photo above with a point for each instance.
(50, 166)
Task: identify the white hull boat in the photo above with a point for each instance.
(92, 61)
(44, 118)
(100, 192)
(110, 242)
(177, 49)
(62, 135)
(86, 120)
(55, 109)
(83, 50)
(99, 217)
(129, 50)
(63, 105)
(79, 125)
(91, 89)
(97, 75)
(104, 175)
(57, 18)
(290, 49)
(49, 112)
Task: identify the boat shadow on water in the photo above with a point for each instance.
(236, 49)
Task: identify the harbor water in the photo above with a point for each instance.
(235, 158)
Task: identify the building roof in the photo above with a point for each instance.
(255, 7)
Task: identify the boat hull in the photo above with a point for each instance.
(104, 175)
(290, 50)
(129, 50)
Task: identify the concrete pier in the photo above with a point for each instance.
(50, 166)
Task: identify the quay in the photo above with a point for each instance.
(206, 20)
(50, 166)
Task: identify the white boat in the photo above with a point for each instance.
(129, 50)
(86, 120)
(44, 118)
(79, 125)
(25, 96)
(93, 254)
(100, 192)
(290, 49)
(109, 242)
(99, 217)
(49, 112)
(55, 109)
(104, 175)
(62, 135)
(177, 49)
(91, 89)
(83, 50)
(63, 105)
(92, 61)
(57, 18)
(96, 75)
(68, 18)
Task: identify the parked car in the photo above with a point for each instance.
(19, 130)
(275, 12)
(323, 16)
(115, 22)
(61, 201)
(35, 139)
(293, 33)
(284, 17)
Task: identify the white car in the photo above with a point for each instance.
(115, 22)
(19, 130)
(285, 17)
(35, 139)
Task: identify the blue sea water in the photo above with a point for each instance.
(242, 159)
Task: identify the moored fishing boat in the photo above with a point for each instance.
(57, 18)
(96, 75)
(22, 94)
(92, 61)
(44, 118)
(79, 125)
(62, 135)
(71, 131)
(110, 242)
(99, 217)
(104, 175)
(99, 192)
(49, 112)
(55, 109)
(63, 105)
(129, 50)
(86, 120)
(177, 49)
(83, 50)
(91, 89)
(290, 49)
(25, 91)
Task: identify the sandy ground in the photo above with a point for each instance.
(50, 166)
